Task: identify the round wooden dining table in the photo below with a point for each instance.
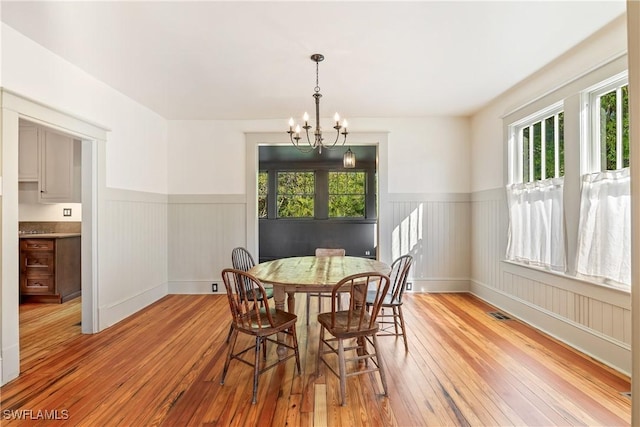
(310, 274)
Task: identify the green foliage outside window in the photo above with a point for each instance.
(609, 129)
(532, 147)
(296, 194)
(347, 194)
(263, 186)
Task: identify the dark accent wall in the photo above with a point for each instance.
(280, 238)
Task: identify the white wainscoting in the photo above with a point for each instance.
(133, 253)
(592, 318)
(203, 229)
(436, 230)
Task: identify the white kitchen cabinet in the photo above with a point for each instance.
(47, 157)
(56, 168)
(28, 161)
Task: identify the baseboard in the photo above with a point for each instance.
(439, 285)
(112, 314)
(10, 364)
(195, 287)
(612, 353)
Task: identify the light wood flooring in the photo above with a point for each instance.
(162, 366)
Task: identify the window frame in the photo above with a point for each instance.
(363, 194)
(516, 145)
(312, 195)
(591, 142)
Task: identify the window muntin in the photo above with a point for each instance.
(540, 142)
(347, 191)
(610, 126)
(263, 194)
(296, 193)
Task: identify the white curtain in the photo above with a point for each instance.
(604, 237)
(536, 224)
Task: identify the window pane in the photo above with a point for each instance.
(296, 194)
(537, 151)
(561, 142)
(263, 179)
(608, 130)
(550, 149)
(625, 126)
(525, 154)
(347, 194)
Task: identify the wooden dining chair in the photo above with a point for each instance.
(320, 295)
(392, 324)
(355, 322)
(241, 259)
(252, 315)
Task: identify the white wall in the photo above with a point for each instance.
(426, 155)
(590, 317)
(136, 157)
(426, 208)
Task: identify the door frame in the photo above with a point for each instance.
(253, 140)
(93, 137)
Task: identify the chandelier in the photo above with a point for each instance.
(316, 139)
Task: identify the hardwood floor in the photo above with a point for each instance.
(162, 366)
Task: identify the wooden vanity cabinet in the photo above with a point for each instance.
(50, 269)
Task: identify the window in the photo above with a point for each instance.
(610, 125)
(296, 192)
(263, 193)
(604, 232)
(540, 140)
(347, 194)
(535, 191)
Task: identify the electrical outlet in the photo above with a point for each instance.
(66, 212)
(409, 286)
(214, 287)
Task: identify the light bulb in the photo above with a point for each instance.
(336, 117)
(305, 118)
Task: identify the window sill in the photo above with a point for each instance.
(513, 267)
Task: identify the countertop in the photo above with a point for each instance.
(48, 235)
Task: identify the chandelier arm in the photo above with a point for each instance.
(302, 149)
(312, 145)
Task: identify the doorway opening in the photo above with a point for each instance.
(49, 230)
(308, 200)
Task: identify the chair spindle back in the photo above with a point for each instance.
(246, 294)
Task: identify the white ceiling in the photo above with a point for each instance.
(250, 60)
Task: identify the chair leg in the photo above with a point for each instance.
(295, 348)
(234, 335)
(308, 302)
(264, 349)
(404, 331)
(256, 370)
(395, 319)
(343, 372)
(320, 347)
(383, 377)
(230, 331)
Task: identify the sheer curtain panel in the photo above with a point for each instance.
(536, 225)
(604, 237)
